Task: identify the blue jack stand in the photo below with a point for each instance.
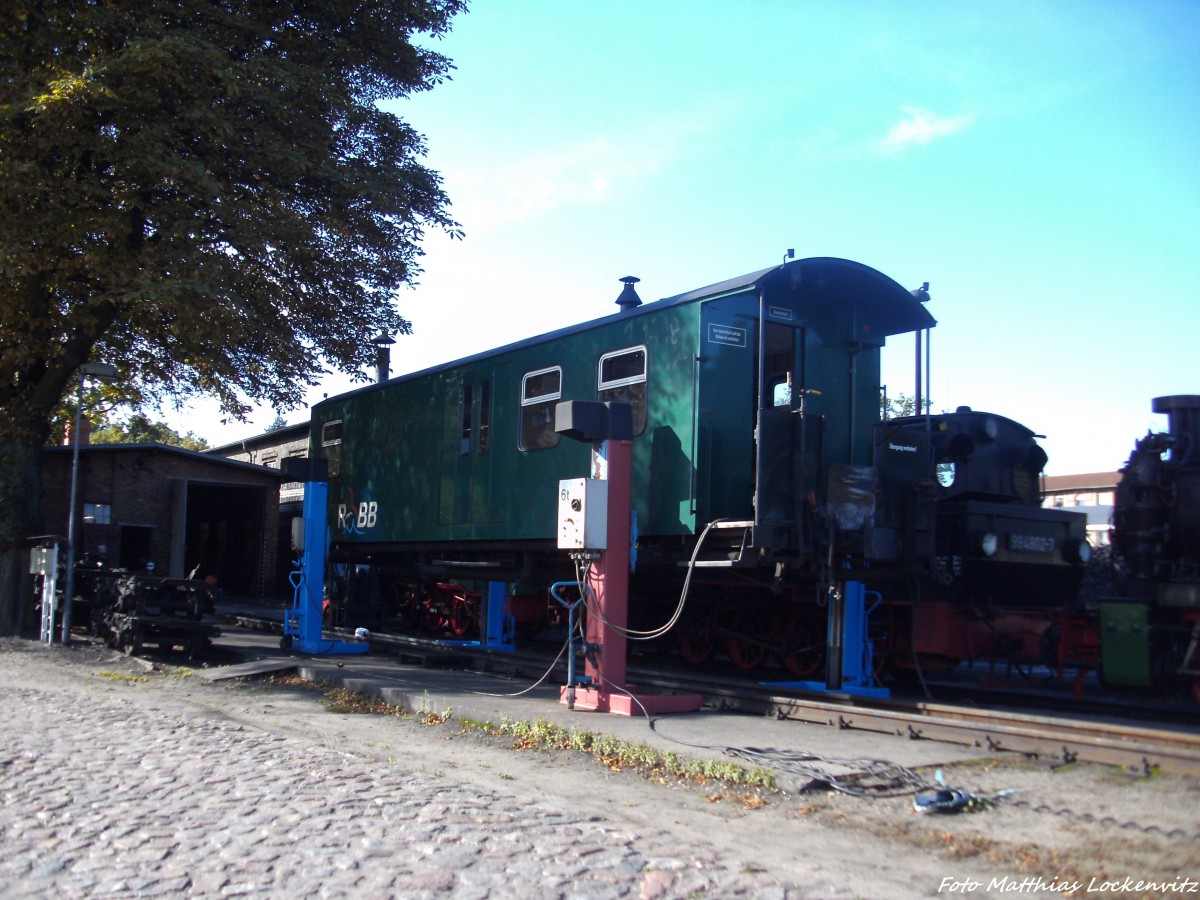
(302, 623)
(850, 653)
(499, 626)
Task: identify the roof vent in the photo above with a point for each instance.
(629, 300)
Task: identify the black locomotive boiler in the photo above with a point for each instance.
(962, 493)
(1148, 626)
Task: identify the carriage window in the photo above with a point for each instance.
(540, 391)
(622, 378)
(485, 415)
(468, 410)
(331, 445)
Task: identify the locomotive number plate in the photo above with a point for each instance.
(1030, 543)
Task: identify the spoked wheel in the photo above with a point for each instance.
(747, 649)
(804, 654)
(432, 621)
(697, 640)
(463, 617)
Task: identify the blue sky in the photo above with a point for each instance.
(1038, 163)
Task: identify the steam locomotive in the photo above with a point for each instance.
(763, 477)
(1146, 629)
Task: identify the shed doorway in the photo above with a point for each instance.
(224, 536)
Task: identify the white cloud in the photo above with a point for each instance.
(590, 171)
(920, 126)
(582, 173)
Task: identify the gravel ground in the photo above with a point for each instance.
(118, 780)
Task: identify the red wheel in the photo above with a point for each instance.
(464, 616)
(697, 642)
(434, 609)
(747, 649)
(805, 651)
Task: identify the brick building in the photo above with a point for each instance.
(176, 508)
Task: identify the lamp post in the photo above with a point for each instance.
(101, 372)
(922, 296)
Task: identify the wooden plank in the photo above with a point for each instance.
(248, 670)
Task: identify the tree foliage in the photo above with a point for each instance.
(140, 429)
(898, 406)
(206, 194)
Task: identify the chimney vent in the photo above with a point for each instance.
(629, 300)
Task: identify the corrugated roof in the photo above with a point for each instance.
(1092, 481)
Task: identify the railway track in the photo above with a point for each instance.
(1058, 740)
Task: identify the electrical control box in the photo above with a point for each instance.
(583, 514)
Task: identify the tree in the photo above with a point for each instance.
(142, 430)
(205, 193)
(896, 407)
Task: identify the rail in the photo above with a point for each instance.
(1058, 740)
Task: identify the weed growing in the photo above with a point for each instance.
(118, 676)
(733, 780)
(730, 780)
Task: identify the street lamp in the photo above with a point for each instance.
(101, 372)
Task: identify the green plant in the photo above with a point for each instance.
(117, 676)
(620, 755)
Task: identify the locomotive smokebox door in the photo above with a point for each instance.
(852, 496)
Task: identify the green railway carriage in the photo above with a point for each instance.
(745, 394)
(759, 463)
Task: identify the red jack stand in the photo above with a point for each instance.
(606, 667)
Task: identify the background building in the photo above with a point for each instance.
(1092, 494)
(181, 510)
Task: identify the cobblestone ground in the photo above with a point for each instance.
(101, 796)
(116, 781)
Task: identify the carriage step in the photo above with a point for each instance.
(735, 550)
(738, 563)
